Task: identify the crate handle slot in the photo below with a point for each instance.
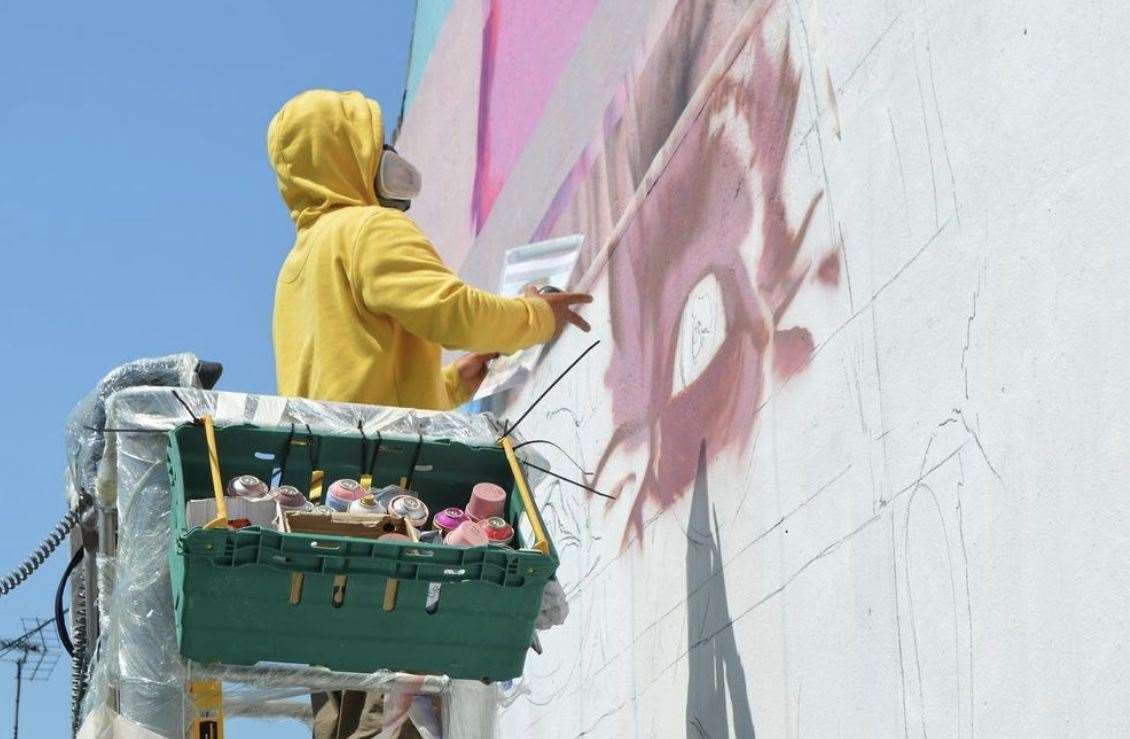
(338, 597)
(431, 605)
(265, 456)
(326, 545)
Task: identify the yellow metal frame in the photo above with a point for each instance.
(206, 698)
(541, 541)
(221, 519)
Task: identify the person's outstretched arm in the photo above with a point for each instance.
(397, 272)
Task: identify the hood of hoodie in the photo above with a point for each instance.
(325, 148)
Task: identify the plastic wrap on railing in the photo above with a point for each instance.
(85, 444)
(267, 703)
(315, 679)
(137, 651)
(270, 710)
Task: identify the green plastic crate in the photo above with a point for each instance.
(231, 589)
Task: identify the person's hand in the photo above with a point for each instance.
(472, 368)
(562, 306)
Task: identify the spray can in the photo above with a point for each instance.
(431, 537)
(448, 520)
(467, 534)
(497, 530)
(367, 505)
(410, 508)
(342, 494)
(487, 499)
(388, 492)
(249, 487)
(290, 498)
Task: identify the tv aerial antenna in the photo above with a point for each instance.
(35, 653)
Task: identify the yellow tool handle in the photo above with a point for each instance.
(317, 477)
(390, 593)
(221, 519)
(541, 541)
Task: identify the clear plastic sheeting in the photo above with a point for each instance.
(85, 438)
(137, 670)
(105, 723)
(283, 677)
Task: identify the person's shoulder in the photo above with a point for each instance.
(385, 232)
(388, 225)
(378, 216)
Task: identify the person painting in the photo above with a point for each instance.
(364, 306)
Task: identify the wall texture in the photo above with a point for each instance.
(860, 390)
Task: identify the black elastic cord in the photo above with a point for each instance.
(60, 621)
(556, 446)
(566, 479)
(181, 400)
(369, 462)
(510, 429)
(376, 453)
(284, 455)
(313, 448)
(364, 446)
(415, 460)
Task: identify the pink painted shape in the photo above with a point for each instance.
(695, 223)
(829, 270)
(526, 46)
(792, 348)
(667, 70)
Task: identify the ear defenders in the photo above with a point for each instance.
(397, 180)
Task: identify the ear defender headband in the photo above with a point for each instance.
(397, 180)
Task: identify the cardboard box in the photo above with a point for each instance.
(262, 513)
(342, 524)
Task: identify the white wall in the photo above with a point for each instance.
(927, 531)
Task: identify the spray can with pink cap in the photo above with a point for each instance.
(448, 520)
(343, 493)
(467, 534)
(290, 498)
(487, 499)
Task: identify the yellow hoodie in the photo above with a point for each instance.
(363, 303)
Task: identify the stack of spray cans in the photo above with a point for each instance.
(254, 490)
(481, 522)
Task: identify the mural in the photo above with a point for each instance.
(525, 48)
(821, 525)
(661, 259)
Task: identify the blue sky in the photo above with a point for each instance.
(138, 217)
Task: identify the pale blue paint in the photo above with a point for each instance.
(430, 15)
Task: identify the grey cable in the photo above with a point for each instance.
(78, 659)
(40, 554)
